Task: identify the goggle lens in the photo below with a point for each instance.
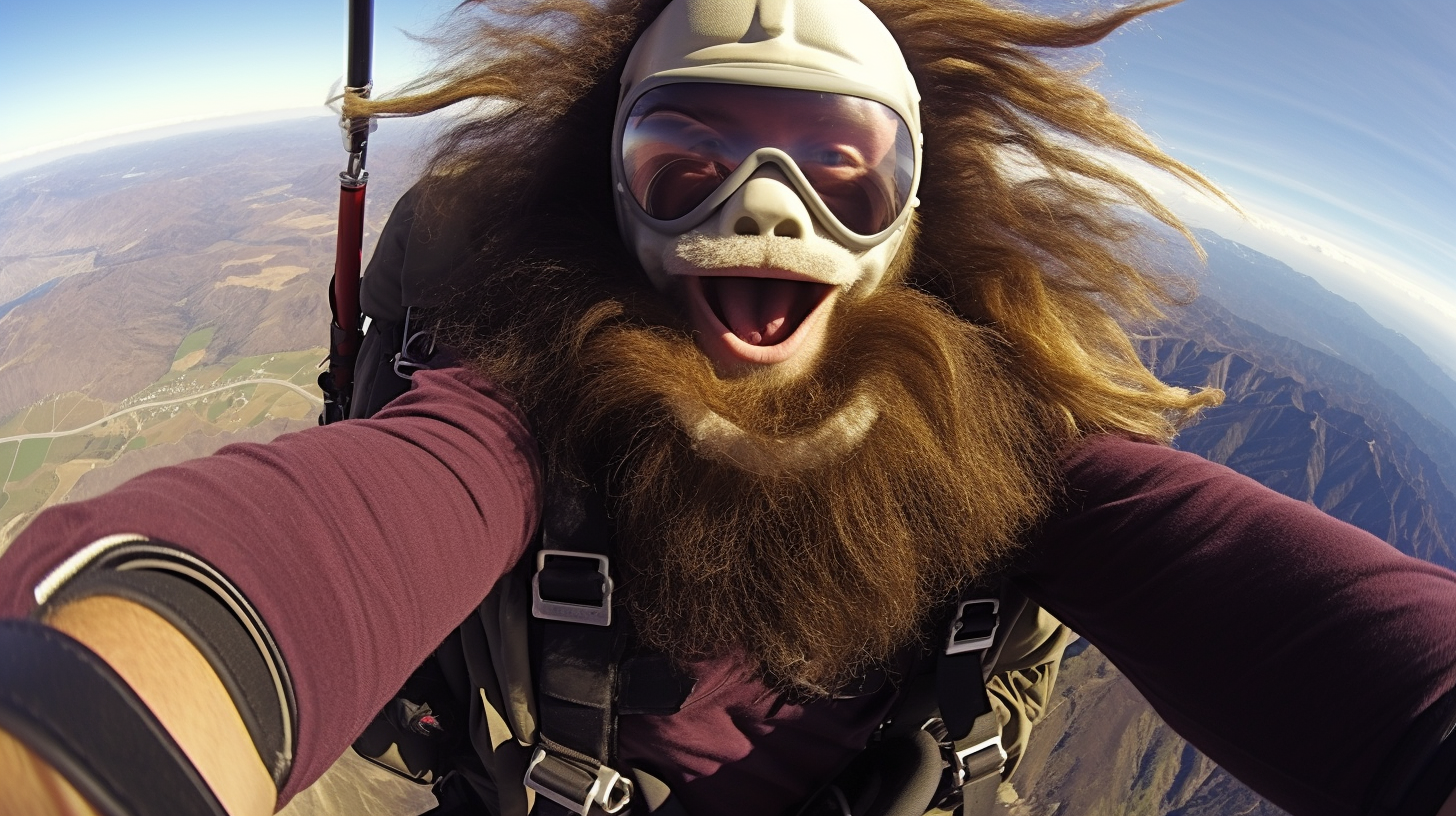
(682, 140)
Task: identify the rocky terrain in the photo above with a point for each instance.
(160, 300)
(1309, 427)
(1332, 427)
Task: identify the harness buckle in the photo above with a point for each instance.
(576, 786)
(594, 613)
(977, 632)
(416, 349)
(979, 761)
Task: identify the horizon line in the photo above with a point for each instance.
(27, 158)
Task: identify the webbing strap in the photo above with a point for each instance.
(965, 706)
(587, 676)
(66, 704)
(578, 683)
(580, 654)
(980, 758)
(960, 679)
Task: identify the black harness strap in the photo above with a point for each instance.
(588, 673)
(581, 648)
(972, 729)
(66, 704)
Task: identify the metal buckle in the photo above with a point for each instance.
(608, 789)
(968, 761)
(953, 646)
(408, 357)
(571, 612)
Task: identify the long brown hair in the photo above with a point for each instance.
(994, 341)
(1022, 227)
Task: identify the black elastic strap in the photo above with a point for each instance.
(69, 707)
(219, 621)
(212, 628)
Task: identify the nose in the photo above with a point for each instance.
(764, 205)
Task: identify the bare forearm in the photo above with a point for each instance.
(32, 786)
(179, 686)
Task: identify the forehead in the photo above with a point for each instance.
(834, 45)
(729, 105)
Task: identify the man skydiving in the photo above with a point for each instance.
(813, 354)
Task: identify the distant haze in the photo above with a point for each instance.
(1331, 122)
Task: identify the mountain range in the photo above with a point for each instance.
(135, 278)
(1350, 417)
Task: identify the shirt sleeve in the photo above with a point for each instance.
(361, 544)
(1294, 649)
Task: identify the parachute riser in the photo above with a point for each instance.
(345, 336)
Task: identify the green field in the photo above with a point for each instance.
(35, 469)
(194, 341)
(32, 454)
(298, 367)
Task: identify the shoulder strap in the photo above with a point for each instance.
(588, 673)
(972, 731)
(581, 646)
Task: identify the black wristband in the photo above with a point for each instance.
(211, 613)
(212, 629)
(68, 706)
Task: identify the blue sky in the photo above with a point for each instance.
(83, 68)
(1333, 122)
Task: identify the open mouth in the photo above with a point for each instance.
(762, 311)
(759, 320)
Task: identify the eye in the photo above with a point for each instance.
(707, 145)
(836, 157)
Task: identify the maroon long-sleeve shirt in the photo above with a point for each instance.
(1292, 648)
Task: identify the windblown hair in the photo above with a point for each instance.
(993, 342)
(1022, 228)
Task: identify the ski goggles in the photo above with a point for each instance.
(686, 147)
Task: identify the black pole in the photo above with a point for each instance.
(361, 42)
(337, 383)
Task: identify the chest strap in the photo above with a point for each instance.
(586, 676)
(581, 650)
(970, 731)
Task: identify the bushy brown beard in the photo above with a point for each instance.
(812, 573)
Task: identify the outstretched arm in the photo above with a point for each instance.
(356, 547)
(1313, 661)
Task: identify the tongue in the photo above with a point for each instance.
(757, 309)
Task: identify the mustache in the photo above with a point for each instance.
(823, 261)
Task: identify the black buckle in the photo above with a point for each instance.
(575, 785)
(976, 632)
(594, 613)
